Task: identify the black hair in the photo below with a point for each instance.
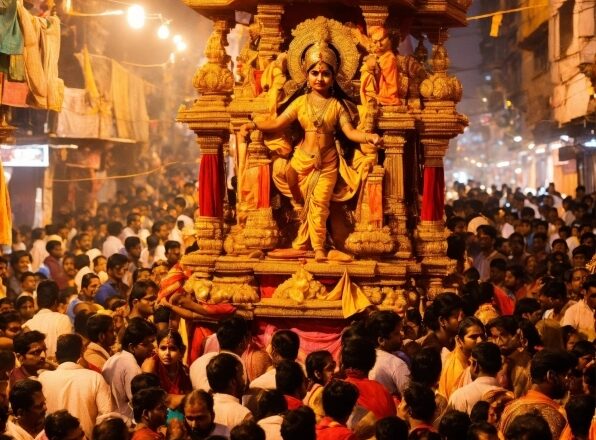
(146, 400)
(47, 294)
(315, 362)
(286, 344)
(289, 377)
(499, 263)
(583, 348)
(487, 230)
(555, 289)
(144, 381)
(96, 325)
(59, 424)
(382, 324)
(8, 317)
(472, 274)
(156, 227)
(138, 271)
(116, 260)
(232, 333)
(22, 300)
(86, 280)
(530, 334)
(200, 395)
(131, 217)
(391, 428)
(136, 332)
(443, 306)
(529, 426)
(81, 261)
(80, 320)
(247, 430)
(21, 394)
(270, 403)
(131, 242)
(339, 398)
(171, 244)
(488, 357)
(547, 360)
(506, 322)
(16, 256)
(453, 424)
(359, 354)
(139, 290)
(421, 401)
(173, 335)
(161, 315)
(580, 410)
(526, 305)
(426, 367)
(69, 348)
(466, 323)
(221, 370)
(299, 424)
(479, 412)
(22, 342)
(26, 275)
(476, 430)
(114, 228)
(7, 360)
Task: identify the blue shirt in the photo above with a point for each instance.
(105, 291)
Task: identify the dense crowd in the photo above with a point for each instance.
(91, 348)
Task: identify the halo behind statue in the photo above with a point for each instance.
(340, 40)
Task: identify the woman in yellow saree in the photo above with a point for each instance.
(311, 175)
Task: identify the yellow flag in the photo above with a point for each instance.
(495, 25)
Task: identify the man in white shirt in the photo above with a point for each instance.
(38, 249)
(226, 378)
(82, 392)
(133, 226)
(581, 314)
(284, 347)
(233, 336)
(138, 344)
(485, 363)
(389, 370)
(112, 245)
(47, 320)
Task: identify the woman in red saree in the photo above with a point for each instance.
(168, 364)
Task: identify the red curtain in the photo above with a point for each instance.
(264, 189)
(433, 195)
(210, 188)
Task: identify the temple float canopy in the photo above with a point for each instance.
(337, 204)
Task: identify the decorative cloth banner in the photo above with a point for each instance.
(210, 188)
(433, 195)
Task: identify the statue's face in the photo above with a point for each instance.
(320, 77)
(380, 42)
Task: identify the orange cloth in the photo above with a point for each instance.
(372, 396)
(388, 79)
(5, 211)
(535, 401)
(453, 369)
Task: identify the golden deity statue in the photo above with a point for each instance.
(317, 173)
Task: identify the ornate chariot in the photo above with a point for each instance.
(390, 238)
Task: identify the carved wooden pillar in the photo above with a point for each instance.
(374, 14)
(440, 123)
(209, 118)
(269, 16)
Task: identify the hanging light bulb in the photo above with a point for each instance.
(67, 6)
(163, 32)
(136, 17)
(181, 46)
(177, 38)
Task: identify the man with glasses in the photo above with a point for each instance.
(138, 343)
(142, 299)
(30, 349)
(549, 370)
